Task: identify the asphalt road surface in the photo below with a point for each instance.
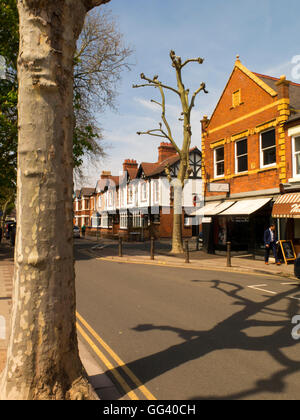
(185, 334)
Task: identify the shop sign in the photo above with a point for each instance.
(214, 187)
(241, 219)
(295, 208)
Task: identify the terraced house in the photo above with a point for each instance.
(251, 156)
(138, 203)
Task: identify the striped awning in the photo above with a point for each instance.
(287, 206)
(213, 208)
(246, 207)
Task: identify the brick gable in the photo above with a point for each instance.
(261, 103)
(252, 95)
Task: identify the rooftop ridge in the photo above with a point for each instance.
(274, 78)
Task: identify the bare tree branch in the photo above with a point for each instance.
(155, 102)
(155, 83)
(201, 88)
(152, 133)
(191, 60)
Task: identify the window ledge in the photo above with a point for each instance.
(268, 168)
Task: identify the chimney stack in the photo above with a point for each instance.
(283, 88)
(129, 164)
(165, 151)
(105, 174)
(204, 123)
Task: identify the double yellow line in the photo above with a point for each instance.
(113, 369)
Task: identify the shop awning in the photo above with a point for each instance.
(287, 206)
(245, 207)
(212, 209)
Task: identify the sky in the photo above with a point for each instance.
(264, 33)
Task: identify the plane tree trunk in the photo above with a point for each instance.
(43, 360)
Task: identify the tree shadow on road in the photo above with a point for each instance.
(230, 334)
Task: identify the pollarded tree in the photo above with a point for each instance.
(165, 131)
(43, 360)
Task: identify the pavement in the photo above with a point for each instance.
(139, 253)
(133, 253)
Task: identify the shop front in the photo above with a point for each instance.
(287, 212)
(240, 222)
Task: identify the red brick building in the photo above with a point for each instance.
(83, 206)
(247, 157)
(138, 203)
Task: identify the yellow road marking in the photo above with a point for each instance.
(109, 366)
(121, 364)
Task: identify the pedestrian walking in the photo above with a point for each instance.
(83, 230)
(13, 235)
(270, 240)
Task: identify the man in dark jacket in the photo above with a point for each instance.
(13, 235)
(270, 239)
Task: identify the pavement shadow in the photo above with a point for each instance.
(6, 251)
(85, 250)
(229, 334)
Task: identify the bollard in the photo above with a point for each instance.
(228, 254)
(187, 252)
(152, 248)
(120, 247)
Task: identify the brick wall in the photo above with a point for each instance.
(229, 124)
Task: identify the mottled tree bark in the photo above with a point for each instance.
(43, 360)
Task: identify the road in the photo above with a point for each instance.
(188, 334)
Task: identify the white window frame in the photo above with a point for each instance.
(130, 194)
(104, 220)
(123, 220)
(215, 162)
(155, 191)
(110, 197)
(261, 151)
(136, 194)
(121, 197)
(144, 191)
(236, 157)
(136, 219)
(294, 153)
